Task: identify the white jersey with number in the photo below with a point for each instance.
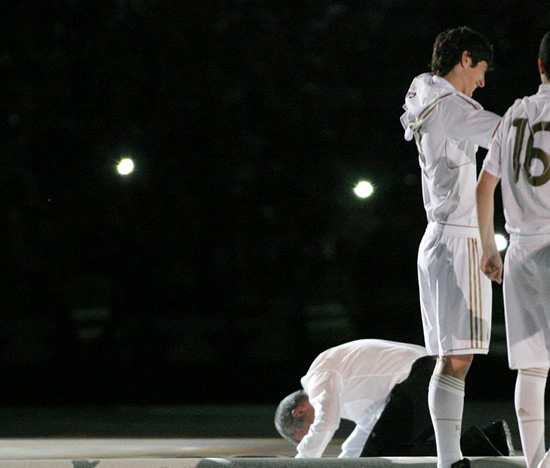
(353, 381)
(448, 127)
(520, 157)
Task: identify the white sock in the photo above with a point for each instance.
(446, 402)
(529, 403)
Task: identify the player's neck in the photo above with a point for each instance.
(456, 81)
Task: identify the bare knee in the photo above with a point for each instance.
(456, 366)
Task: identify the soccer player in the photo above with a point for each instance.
(380, 385)
(455, 298)
(520, 158)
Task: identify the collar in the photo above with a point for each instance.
(442, 82)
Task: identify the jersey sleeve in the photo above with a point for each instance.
(462, 120)
(493, 161)
(324, 389)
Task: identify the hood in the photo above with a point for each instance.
(425, 91)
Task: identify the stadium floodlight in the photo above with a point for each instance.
(125, 166)
(364, 189)
(501, 242)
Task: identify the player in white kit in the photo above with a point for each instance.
(448, 126)
(520, 158)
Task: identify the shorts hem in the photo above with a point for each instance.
(539, 365)
(456, 352)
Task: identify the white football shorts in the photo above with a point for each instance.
(455, 296)
(527, 301)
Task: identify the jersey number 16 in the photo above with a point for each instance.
(531, 153)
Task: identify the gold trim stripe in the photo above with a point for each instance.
(449, 381)
(480, 295)
(476, 298)
(538, 373)
(470, 291)
(428, 110)
(478, 106)
(455, 351)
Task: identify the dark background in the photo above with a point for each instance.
(237, 250)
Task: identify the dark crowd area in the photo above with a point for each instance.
(237, 250)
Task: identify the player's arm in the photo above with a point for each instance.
(491, 261)
(465, 122)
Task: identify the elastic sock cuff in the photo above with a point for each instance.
(537, 373)
(448, 383)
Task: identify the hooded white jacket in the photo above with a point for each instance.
(448, 127)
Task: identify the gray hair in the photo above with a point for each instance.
(286, 424)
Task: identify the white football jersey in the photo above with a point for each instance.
(520, 157)
(448, 126)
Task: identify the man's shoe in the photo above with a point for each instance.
(500, 436)
(474, 442)
(464, 463)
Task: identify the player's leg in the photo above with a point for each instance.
(446, 402)
(527, 313)
(461, 297)
(529, 404)
(456, 366)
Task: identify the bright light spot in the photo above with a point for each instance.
(363, 189)
(125, 166)
(501, 241)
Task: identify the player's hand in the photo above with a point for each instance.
(491, 265)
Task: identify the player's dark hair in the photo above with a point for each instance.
(450, 44)
(544, 53)
(286, 424)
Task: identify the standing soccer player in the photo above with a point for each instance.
(520, 158)
(448, 126)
